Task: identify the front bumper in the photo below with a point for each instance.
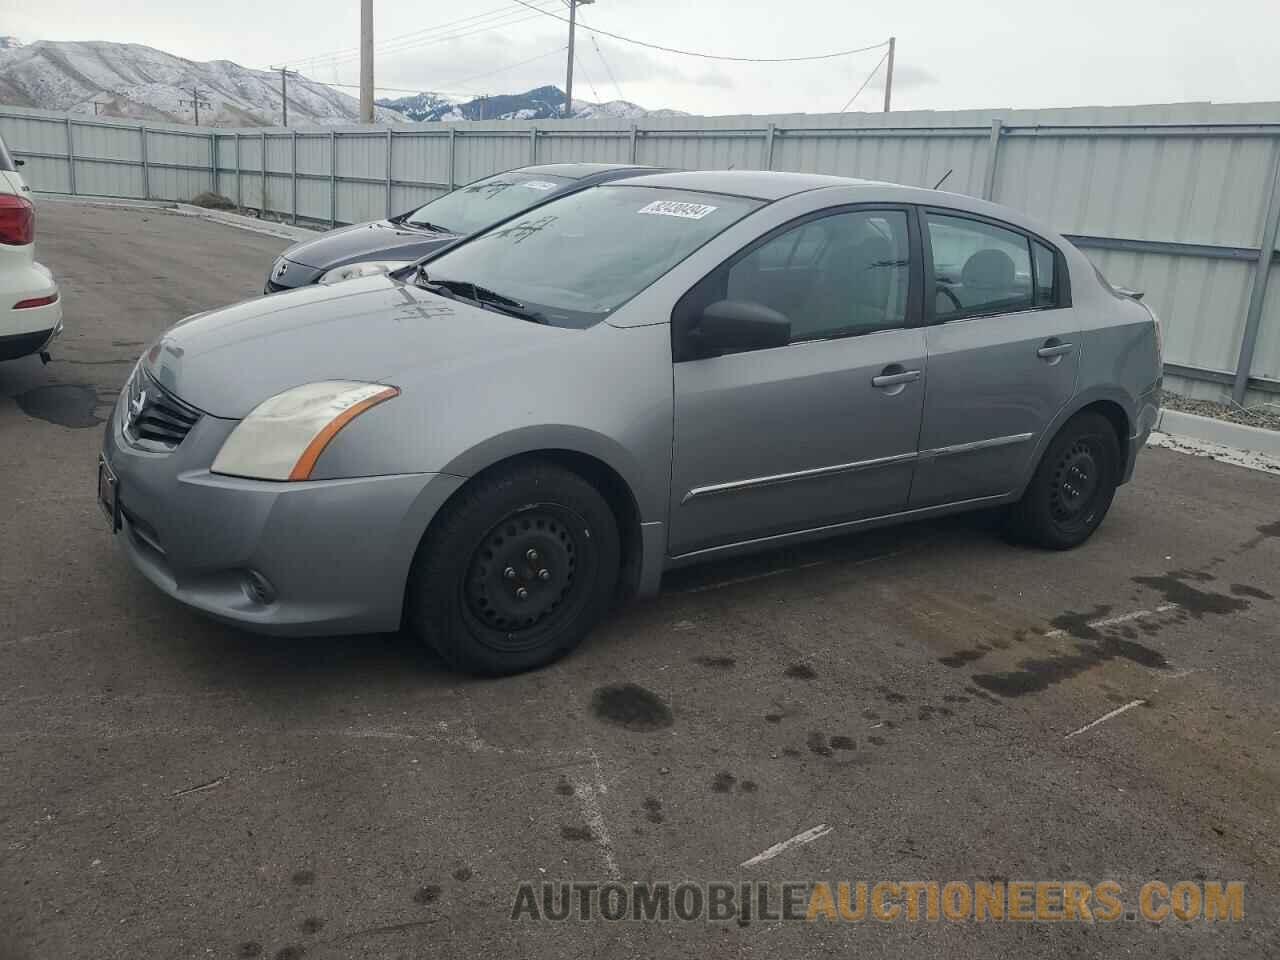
(318, 557)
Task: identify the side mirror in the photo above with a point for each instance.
(729, 326)
(19, 163)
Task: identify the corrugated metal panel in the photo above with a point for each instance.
(424, 158)
(1109, 172)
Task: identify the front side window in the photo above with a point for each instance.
(487, 201)
(6, 161)
(578, 258)
(979, 269)
(841, 275)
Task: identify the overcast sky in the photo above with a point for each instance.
(951, 55)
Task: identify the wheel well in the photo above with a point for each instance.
(616, 492)
(1119, 421)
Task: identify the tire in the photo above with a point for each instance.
(533, 528)
(1073, 486)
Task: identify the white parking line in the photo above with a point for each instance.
(588, 795)
(810, 835)
(1113, 621)
(1105, 717)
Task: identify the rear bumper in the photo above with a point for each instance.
(319, 557)
(18, 345)
(1148, 413)
(30, 329)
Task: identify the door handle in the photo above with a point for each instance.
(1053, 347)
(893, 375)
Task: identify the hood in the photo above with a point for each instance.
(227, 361)
(380, 240)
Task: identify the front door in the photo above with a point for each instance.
(820, 431)
(1003, 352)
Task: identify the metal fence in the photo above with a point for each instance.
(1180, 200)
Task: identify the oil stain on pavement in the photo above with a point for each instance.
(65, 404)
(630, 706)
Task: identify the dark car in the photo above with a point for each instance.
(384, 245)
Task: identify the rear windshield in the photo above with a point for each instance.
(6, 161)
(580, 257)
(487, 201)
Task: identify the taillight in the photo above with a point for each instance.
(17, 220)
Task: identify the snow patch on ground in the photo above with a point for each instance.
(1216, 451)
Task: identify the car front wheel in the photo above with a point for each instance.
(1073, 486)
(516, 571)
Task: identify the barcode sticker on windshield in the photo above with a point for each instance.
(677, 208)
(539, 185)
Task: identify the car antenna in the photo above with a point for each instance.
(944, 178)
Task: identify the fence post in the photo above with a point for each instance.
(71, 158)
(146, 166)
(333, 178)
(293, 171)
(635, 129)
(993, 150)
(213, 162)
(239, 190)
(453, 157)
(533, 145)
(768, 146)
(1262, 272)
(388, 173)
(263, 211)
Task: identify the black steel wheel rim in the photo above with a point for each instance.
(1076, 483)
(527, 576)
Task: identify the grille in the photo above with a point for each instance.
(155, 419)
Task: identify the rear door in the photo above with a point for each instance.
(1003, 350)
(820, 431)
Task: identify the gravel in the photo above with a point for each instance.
(1266, 415)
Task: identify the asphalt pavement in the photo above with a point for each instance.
(927, 703)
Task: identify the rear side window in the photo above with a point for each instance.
(6, 161)
(979, 269)
(1046, 285)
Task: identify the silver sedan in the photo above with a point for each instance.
(493, 447)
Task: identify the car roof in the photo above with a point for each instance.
(757, 184)
(579, 171)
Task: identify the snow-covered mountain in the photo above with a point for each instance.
(541, 103)
(132, 80)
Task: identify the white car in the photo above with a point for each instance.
(30, 310)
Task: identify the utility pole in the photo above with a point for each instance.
(888, 75)
(366, 61)
(568, 75)
(285, 74)
(195, 102)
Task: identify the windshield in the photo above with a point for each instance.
(582, 256)
(487, 201)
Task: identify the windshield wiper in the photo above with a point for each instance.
(482, 296)
(425, 225)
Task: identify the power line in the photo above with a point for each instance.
(478, 76)
(594, 92)
(706, 56)
(433, 40)
(497, 12)
(600, 54)
(873, 72)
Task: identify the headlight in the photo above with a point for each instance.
(367, 269)
(282, 438)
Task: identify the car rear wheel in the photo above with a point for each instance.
(1073, 486)
(516, 570)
